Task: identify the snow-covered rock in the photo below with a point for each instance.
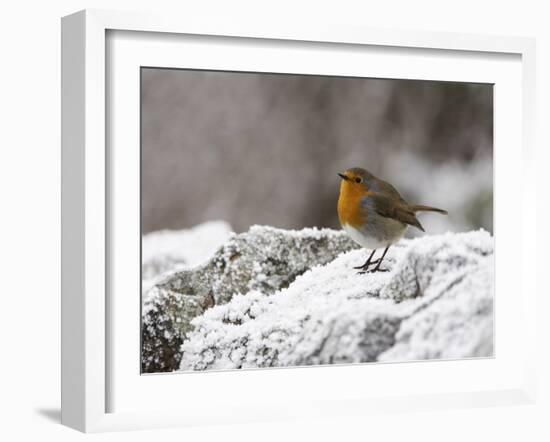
(263, 260)
(435, 302)
(168, 250)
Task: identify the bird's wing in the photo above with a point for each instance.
(388, 207)
(383, 187)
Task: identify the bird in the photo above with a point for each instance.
(374, 214)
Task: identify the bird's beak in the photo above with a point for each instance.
(344, 177)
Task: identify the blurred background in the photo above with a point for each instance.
(252, 148)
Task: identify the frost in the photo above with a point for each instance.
(273, 298)
(472, 206)
(436, 302)
(262, 260)
(169, 250)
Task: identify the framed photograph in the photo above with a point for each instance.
(262, 223)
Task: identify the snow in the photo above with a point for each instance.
(272, 298)
(167, 250)
(436, 302)
(426, 182)
(264, 259)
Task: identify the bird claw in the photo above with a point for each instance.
(366, 266)
(379, 270)
(375, 270)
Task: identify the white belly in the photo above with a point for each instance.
(370, 242)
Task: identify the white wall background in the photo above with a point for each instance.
(30, 219)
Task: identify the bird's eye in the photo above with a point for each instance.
(358, 180)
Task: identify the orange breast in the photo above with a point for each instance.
(349, 204)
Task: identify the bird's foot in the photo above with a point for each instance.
(376, 269)
(366, 266)
(362, 272)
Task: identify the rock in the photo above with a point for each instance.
(458, 325)
(436, 302)
(168, 250)
(264, 259)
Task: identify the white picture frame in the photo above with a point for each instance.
(87, 317)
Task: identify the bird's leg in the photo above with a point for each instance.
(377, 268)
(365, 266)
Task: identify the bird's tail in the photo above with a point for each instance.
(421, 208)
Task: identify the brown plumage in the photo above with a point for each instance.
(373, 212)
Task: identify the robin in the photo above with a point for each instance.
(373, 213)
